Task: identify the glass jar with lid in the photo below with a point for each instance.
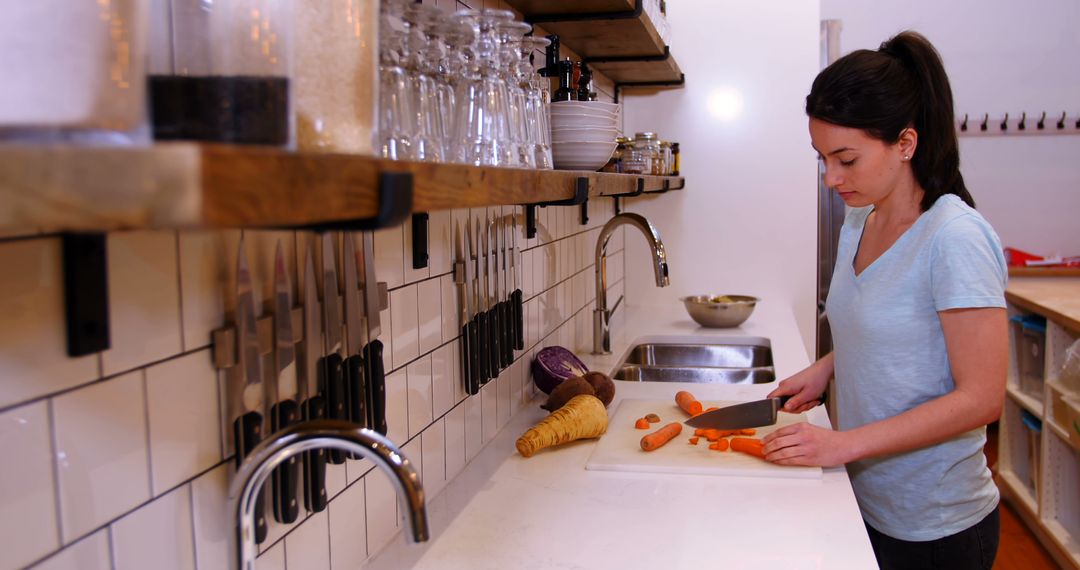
(666, 159)
(615, 164)
(647, 147)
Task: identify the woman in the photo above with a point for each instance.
(916, 308)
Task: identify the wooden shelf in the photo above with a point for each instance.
(1056, 298)
(189, 185)
(584, 7)
(630, 72)
(1030, 403)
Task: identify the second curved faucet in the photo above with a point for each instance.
(601, 314)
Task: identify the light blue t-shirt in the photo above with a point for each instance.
(890, 356)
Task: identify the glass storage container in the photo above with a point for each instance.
(231, 73)
(644, 157)
(666, 159)
(615, 164)
(73, 71)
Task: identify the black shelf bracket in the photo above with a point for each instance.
(581, 197)
(394, 193)
(86, 293)
(674, 83)
(420, 240)
(585, 213)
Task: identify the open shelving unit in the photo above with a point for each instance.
(1040, 472)
(615, 37)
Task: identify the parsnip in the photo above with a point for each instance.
(582, 417)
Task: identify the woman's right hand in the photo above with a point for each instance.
(805, 387)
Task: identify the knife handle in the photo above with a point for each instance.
(373, 354)
(285, 478)
(518, 302)
(481, 345)
(467, 365)
(315, 461)
(247, 433)
(505, 335)
(493, 344)
(356, 385)
(337, 397)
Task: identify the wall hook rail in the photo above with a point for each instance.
(1015, 124)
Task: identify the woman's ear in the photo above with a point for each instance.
(907, 142)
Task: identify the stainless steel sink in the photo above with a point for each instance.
(698, 374)
(738, 360)
(721, 355)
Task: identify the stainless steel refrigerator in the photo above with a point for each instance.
(830, 208)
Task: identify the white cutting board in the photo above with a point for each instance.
(620, 448)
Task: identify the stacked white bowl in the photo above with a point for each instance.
(583, 133)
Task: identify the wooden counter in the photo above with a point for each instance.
(1056, 298)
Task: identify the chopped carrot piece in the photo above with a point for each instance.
(661, 436)
(750, 431)
(693, 441)
(688, 402)
(699, 431)
(712, 408)
(722, 445)
(641, 423)
(652, 418)
(714, 446)
(748, 445)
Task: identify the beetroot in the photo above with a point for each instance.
(554, 364)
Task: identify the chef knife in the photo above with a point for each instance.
(470, 373)
(246, 395)
(313, 403)
(373, 351)
(285, 412)
(517, 298)
(507, 338)
(480, 318)
(355, 378)
(494, 346)
(332, 382)
(740, 416)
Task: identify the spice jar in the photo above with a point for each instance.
(231, 77)
(73, 71)
(646, 153)
(666, 160)
(615, 163)
(675, 159)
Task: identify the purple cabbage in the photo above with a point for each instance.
(554, 364)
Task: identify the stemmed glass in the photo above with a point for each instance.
(538, 130)
(421, 65)
(396, 116)
(510, 40)
(481, 125)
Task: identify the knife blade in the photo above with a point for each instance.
(482, 337)
(740, 416)
(333, 379)
(312, 402)
(494, 346)
(469, 371)
(517, 298)
(285, 412)
(357, 337)
(504, 298)
(248, 394)
(373, 351)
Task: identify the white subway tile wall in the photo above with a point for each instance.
(126, 456)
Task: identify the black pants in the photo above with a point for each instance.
(971, 549)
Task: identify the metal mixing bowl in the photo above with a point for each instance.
(731, 311)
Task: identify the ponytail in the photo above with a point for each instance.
(902, 84)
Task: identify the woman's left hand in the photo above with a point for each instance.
(806, 444)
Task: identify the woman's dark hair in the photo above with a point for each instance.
(902, 84)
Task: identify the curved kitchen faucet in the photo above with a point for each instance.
(321, 434)
(602, 315)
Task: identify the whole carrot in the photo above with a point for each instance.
(748, 445)
(688, 402)
(661, 436)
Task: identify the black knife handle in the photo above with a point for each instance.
(468, 367)
(247, 433)
(494, 346)
(315, 461)
(284, 479)
(518, 302)
(475, 367)
(356, 385)
(507, 334)
(482, 359)
(373, 354)
(337, 397)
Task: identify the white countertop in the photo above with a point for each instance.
(507, 512)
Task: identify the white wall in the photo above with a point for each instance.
(747, 221)
(1001, 57)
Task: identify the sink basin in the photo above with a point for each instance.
(732, 360)
(698, 374)
(721, 355)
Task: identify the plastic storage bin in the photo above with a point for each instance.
(1072, 420)
(1030, 337)
(1033, 427)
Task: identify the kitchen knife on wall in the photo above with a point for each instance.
(494, 346)
(355, 378)
(517, 298)
(741, 416)
(285, 412)
(480, 319)
(506, 338)
(373, 351)
(332, 381)
(470, 374)
(312, 402)
(246, 394)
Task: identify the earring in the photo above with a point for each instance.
(907, 157)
